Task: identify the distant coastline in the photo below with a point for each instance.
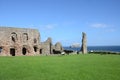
(96, 48)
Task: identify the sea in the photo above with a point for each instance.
(97, 48)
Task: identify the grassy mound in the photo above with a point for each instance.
(72, 67)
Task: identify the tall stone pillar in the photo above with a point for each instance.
(84, 43)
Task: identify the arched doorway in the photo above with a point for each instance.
(40, 51)
(35, 48)
(12, 51)
(24, 51)
(0, 49)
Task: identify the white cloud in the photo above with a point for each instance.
(110, 30)
(48, 26)
(104, 27)
(99, 25)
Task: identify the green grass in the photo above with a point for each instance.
(72, 67)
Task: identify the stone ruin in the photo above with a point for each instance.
(22, 41)
(84, 43)
(46, 47)
(57, 48)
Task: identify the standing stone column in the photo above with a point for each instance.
(84, 43)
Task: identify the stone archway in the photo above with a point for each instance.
(12, 51)
(35, 48)
(41, 51)
(1, 49)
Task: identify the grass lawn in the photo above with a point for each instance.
(69, 67)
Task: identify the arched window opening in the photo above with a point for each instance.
(14, 37)
(35, 40)
(25, 37)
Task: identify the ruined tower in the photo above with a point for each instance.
(84, 43)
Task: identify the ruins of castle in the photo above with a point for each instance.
(22, 41)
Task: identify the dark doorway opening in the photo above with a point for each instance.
(24, 51)
(12, 51)
(40, 51)
(35, 48)
(0, 49)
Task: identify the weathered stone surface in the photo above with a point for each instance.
(84, 43)
(58, 46)
(22, 41)
(46, 47)
(19, 41)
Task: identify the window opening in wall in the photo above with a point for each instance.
(12, 51)
(14, 36)
(24, 51)
(35, 40)
(25, 37)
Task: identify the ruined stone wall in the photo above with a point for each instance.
(58, 47)
(22, 41)
(19, 41)
(46, 47)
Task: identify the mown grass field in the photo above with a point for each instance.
(69, 67)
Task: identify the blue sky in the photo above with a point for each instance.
(65, 20)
